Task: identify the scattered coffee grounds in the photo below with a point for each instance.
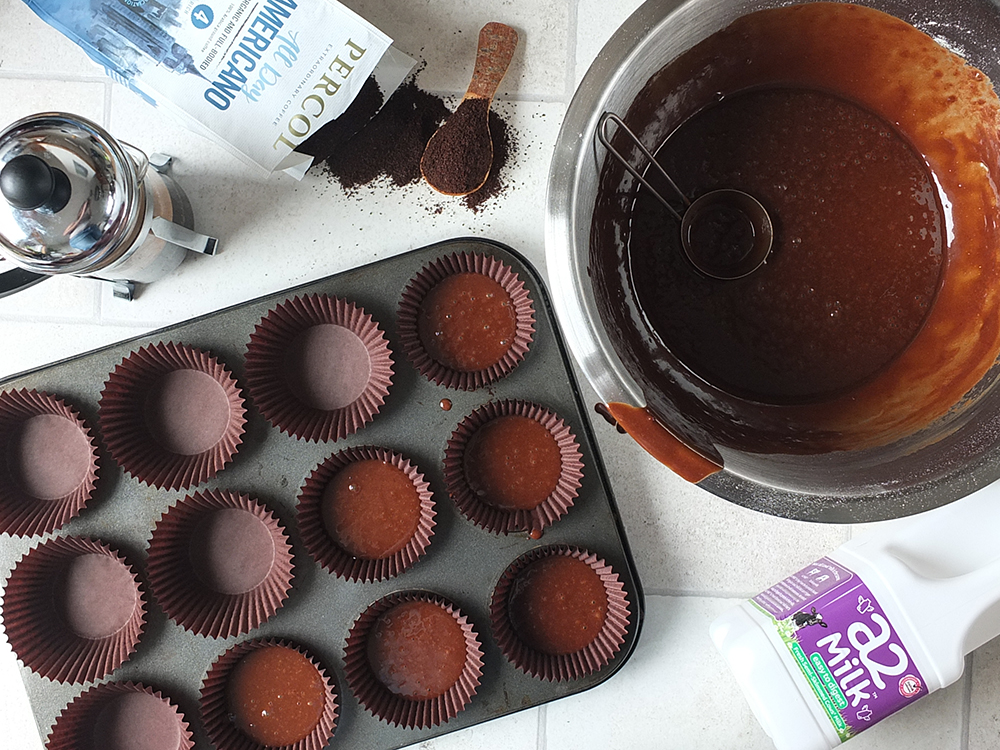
(390, 144)
(328, 139)
(460, 154)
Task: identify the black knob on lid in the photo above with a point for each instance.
(28, 183)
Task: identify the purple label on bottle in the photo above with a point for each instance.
(844, 644)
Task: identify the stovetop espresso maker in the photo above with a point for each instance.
(77, 201)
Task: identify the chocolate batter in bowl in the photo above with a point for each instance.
(852, 377)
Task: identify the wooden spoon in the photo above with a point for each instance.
(458, 157)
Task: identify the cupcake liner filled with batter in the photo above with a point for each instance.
(119, 715)
(466, 320)
(413, 660)
(513, 466)
(318, 367)
(220, 564)
(48, 462)
(73, 609)
(268, 693)
(559, 613)
(172, 415)
(366, 514)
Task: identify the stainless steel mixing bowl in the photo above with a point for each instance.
(935, 465)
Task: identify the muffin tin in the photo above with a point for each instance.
(463, 562)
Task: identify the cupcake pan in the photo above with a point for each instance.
(463, 563)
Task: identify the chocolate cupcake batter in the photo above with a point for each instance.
(558, 605)
(417, 650)
(513, 463)
(857, 252)
(371, 509)
(276, 696)
(467, 322)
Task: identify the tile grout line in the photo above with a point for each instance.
(542, 737)
(108, 94)
(648, 592)
(510, 96)
(58, 76)
(572, 25)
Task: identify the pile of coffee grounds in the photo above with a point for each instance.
(460, 154)
(389, 144)
(330, 138)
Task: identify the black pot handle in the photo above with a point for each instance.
(17, 279)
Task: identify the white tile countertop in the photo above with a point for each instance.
(696, 554)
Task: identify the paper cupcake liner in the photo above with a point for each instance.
(39, 632)
(498, 520)
(79, 723)
(396, 709)
(220, 609)
(560, 667)
(336, 559)
(126, 402)
(215, 712)
(269, 380)
(417, 290)
(61, 457)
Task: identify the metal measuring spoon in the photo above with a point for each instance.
(726, 234)
(458, 157)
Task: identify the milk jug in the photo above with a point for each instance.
(871, 628)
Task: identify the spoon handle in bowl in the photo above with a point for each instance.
(497, 43)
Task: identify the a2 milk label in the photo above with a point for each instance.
(844, 644)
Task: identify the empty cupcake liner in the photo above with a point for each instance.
(162, 420)
(499, 520)
(220, 564)
(215, 711)
(49, 467)
(318, 367)
(129, 714)
(560, 667)
(325, 550)
(73, 609)
(396, 709)
(417, 290)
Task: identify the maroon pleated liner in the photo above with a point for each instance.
(425, 280)
(561, 667)
(75, 726)
(266, 357)
(185, 598)
(333, 557)
(21, 513)
(38, 635)
(498, 520)
(121, 417)
(395, 709)
(215, 708)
